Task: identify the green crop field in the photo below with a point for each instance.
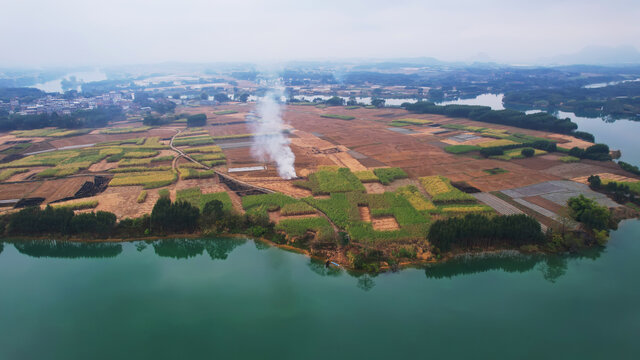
(5, 174)
(461, 149)
(125, 130)
(441, 190)
(387, 175)
(191, 173)
(330, 180)
(77, 205)
(366, 176)
(339, 117)
(299, 227)
(203, 149)
(225, 112)
(197, 198)
(148, 179)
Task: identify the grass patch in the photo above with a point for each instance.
(16, 149)
(415, 198)
(77, 205)
(339, 117)
(142, 197)
(569, 159)
(330, 180)
(125, 130)
(203, 149)
(497, 143)
(299, 227)
(191, 173)
(197, 198)
(495, 171)
(297, 208)
(352, 107)
(366, 176)
(5, 174)
(148, 179)
(410, 121)
(461, 149)
(225, 112)
(49, 132)
(387, 175)
(441, 190)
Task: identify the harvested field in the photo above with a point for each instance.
(365, 213)
(123, 201)
(385, 223)
(57, 189)
(102, 166)
(568, 142)
(606, 177)
(374, 188)
(276, 217)
(17, 190)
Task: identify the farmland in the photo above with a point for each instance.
(381, 188)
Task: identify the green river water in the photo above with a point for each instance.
(234, 298)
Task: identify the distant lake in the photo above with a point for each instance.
(84, 76)
(492, 100)
(364, 100)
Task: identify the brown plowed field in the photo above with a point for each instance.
(386, 223)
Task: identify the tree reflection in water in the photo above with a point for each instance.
(552, 266)
(187, 248)
(66, 249)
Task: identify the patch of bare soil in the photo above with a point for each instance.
(365, 214)
(276, 216)
(103, 166)
(374, 188)
(123, 201)
(385, 223)
(605, 176)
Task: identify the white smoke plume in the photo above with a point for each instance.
(269, 143)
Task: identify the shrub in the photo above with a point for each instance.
(142, 197)
(528, 152)
(196, 120)
(628, 167)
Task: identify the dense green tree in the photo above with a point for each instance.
(221, 97)
(476, 230)
(197, 120)
(589, 212)
(377, 102)
(335, 101)
(528, 152)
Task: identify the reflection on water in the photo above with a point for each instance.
(218, 248)
(552, 267)
(66, 249)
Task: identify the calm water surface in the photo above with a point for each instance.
(226, 298)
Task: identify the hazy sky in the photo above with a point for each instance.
(88, 32)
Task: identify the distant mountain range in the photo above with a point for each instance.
(597, 55)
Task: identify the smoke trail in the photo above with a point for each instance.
(269, 142)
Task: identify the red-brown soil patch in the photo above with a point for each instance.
(386, 223)
(365, 214)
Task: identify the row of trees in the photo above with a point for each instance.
(476, 230)
(166, 218)
(538, 121)
(598, 152)
(98, 117)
